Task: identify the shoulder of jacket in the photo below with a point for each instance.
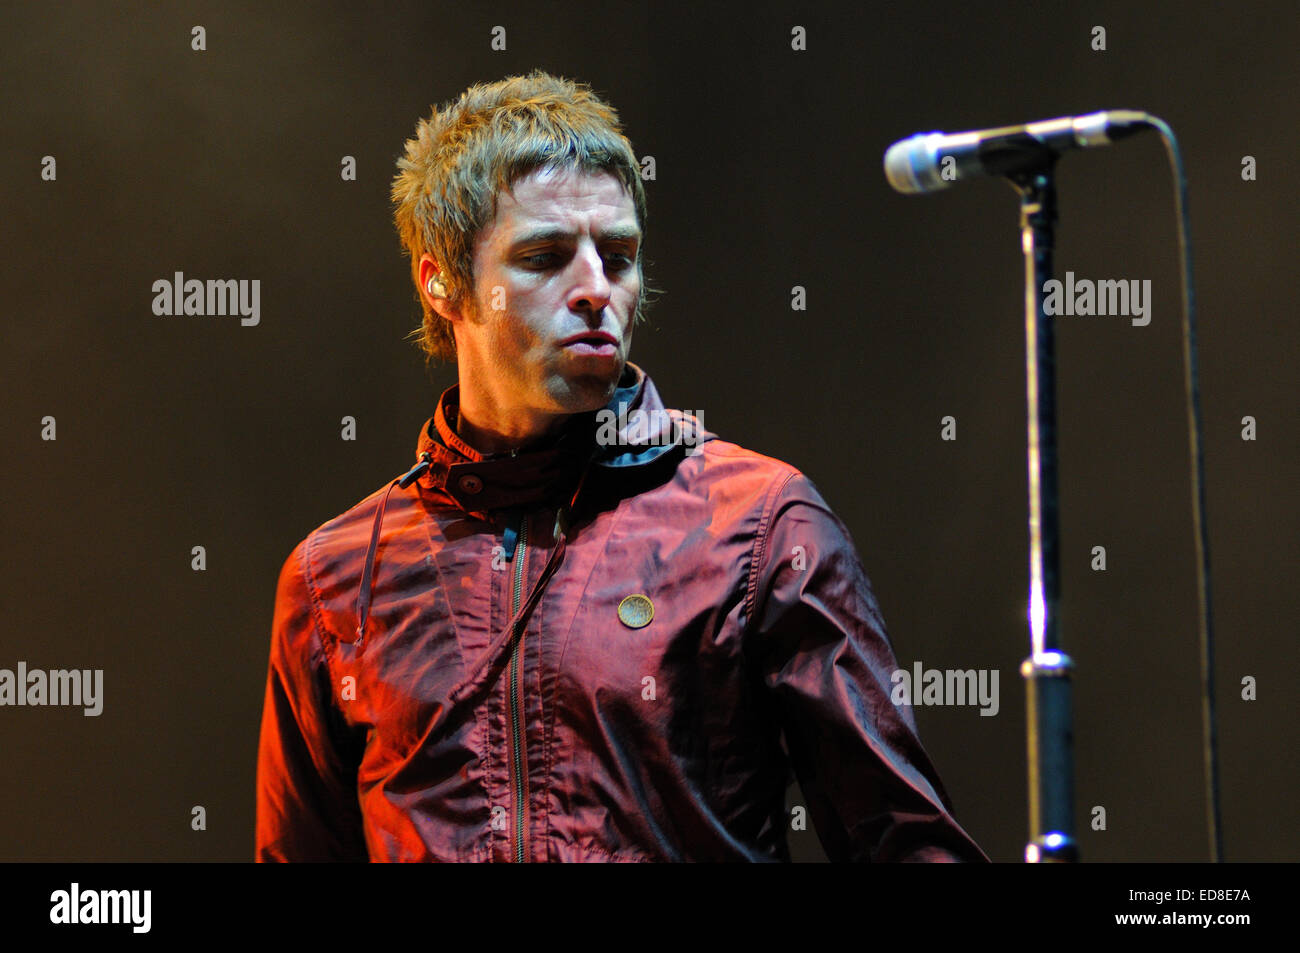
(765, 487)
(337, 531)
(331, 557)
(721, 460)
(718, 451)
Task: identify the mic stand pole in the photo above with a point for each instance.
(1047, 670)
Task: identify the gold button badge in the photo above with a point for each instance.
(636, 611)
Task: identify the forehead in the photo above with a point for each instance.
(571, 199)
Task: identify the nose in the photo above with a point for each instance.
(590, 289)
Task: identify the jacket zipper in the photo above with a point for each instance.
(518, 760)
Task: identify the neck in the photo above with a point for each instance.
(512, 433)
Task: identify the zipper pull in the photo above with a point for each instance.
(510, 538)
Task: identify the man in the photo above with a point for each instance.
(581, 627)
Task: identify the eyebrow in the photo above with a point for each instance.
(613, 234)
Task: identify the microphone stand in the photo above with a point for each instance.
(1047, 670)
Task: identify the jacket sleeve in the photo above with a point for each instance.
(871, 790)
(307, 808)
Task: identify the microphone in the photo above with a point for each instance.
(927, 162)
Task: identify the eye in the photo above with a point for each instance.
(540, 260)
(618, 261)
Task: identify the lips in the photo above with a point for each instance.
(593, 338)
(598, 344)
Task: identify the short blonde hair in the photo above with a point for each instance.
(470, 150)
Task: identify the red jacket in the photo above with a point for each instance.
(403, 722)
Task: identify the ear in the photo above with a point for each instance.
(441, 305)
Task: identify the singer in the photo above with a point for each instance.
(551, 641)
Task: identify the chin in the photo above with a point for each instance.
(589, 391)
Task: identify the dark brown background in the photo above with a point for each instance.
(183, 431)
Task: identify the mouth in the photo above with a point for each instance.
(592, 344)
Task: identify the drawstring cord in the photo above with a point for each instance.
(509, 635)
(513, 629)
(363, 598)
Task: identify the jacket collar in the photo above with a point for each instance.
(633, 430)
(617, 436)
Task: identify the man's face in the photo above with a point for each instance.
(559, 262)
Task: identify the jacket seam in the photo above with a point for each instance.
(317, 610)
(618, 856)
(478, 734)
(759, 550)
(323, 647)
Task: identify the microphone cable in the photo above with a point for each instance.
(1191, 385)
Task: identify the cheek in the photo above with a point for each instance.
(630, 292)
(524, 325)
(633, 284)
